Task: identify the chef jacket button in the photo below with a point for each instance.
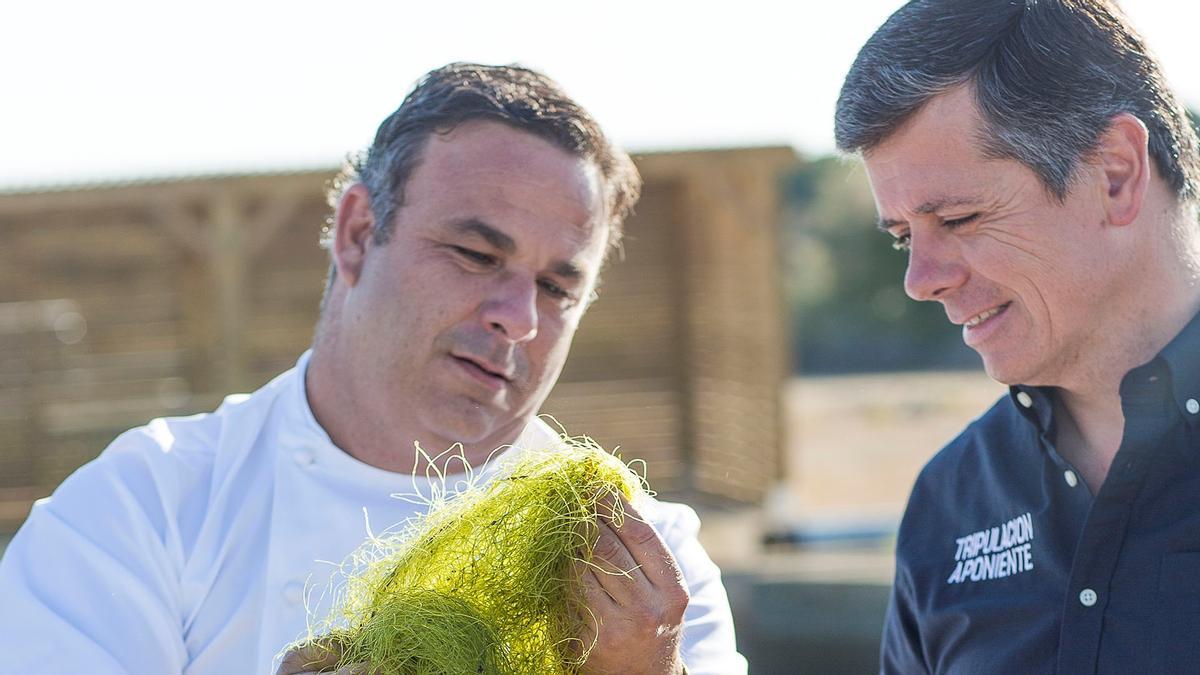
(1071, 478)
(1087, 597)
(303, 458)
(1025, 399)
(1192, 405)
(293, 592)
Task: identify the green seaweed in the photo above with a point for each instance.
(483, 582)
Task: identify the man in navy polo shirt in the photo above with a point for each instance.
(1043, 178)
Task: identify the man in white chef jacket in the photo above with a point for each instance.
(465, 246)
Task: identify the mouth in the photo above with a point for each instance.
(984, 326)
(483, 369)
(985, 315)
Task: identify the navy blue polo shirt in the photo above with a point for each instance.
(1007, 563)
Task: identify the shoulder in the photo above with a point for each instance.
(166, 450)
(106, 555)
(159, 472)
(977, 477)
(998, 431)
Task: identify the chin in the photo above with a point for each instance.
(468, 422)
(466, 431)
(1005, 369)
(1002, 377)
(1012, 371)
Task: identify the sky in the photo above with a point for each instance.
(99, 91)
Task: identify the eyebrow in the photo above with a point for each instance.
(931, 206)
(567, 270)
(505, 244)
(491, 235)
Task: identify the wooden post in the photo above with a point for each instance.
(228, 260)
(226, 242)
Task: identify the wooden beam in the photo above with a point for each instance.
(280, 209)
(228, 263)
(183, 225)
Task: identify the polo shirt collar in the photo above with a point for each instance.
(1182, 359)
(1179, 360)
(1034, 404)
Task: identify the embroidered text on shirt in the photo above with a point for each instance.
(994, 553)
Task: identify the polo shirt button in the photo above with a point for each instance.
(303, 458)
(1025, 399)
(1071, 478)
(1193, 406)
(1087, 597)
(293, 592)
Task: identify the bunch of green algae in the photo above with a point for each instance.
(483, 582)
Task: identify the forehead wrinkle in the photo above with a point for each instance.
(583, 200)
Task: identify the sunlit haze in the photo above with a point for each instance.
(128, 89)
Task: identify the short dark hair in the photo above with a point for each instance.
(463, 92)
(1048, 76)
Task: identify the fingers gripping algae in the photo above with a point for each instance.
(482, 583)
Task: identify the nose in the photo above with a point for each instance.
(934, 268)
(511, 308)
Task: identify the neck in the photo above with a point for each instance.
(1088, 433)
(1089, 402)
(381, 437)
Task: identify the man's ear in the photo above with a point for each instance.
(1123, 155)
(355, 227)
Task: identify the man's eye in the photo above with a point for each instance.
(554, 290)
(475, 256)
(902, 242)
(955, 222)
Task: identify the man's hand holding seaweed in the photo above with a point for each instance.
(636, 596)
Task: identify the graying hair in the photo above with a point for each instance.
(462, 92)
(1048, 77)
